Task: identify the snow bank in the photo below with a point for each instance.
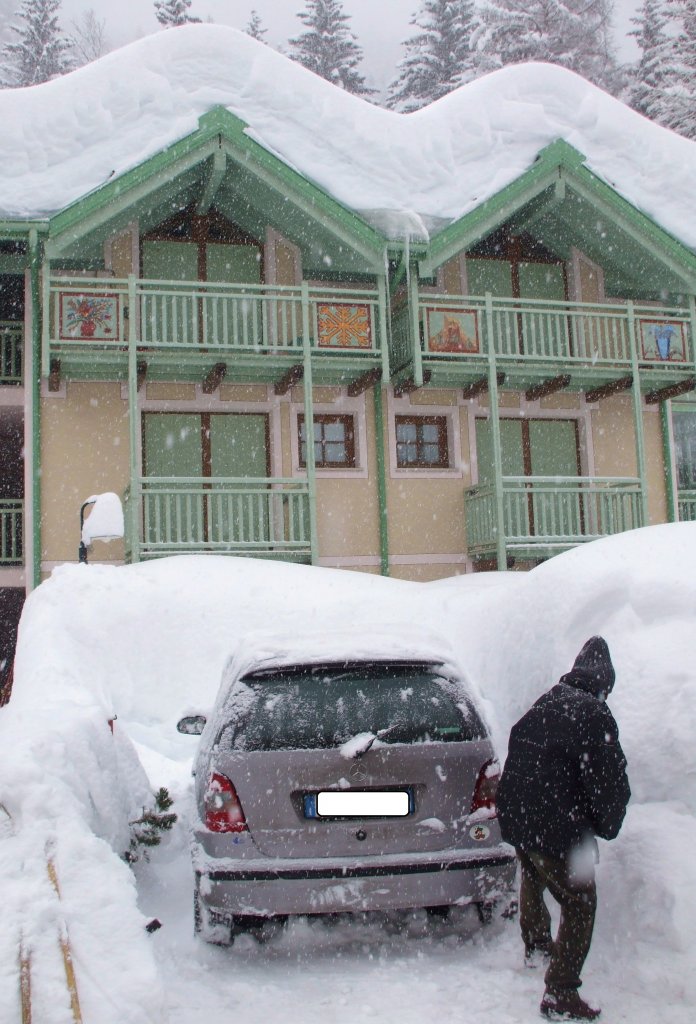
(405, 172)
(148, 643)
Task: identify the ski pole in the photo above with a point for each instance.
(66, 951)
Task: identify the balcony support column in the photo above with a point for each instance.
(638, 413)
(381, 480)
(309, 424)
(668, 459)
(494, 409)
(45, 347)
(413, 302)
(32, 384)
(134, 511)
(383, 328)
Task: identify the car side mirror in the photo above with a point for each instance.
(192, 725)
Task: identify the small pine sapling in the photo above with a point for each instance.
(147, 830)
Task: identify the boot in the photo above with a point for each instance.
(538, 955)
(567, 1005)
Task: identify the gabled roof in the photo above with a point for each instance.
(409, 175)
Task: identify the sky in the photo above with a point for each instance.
(380, 25)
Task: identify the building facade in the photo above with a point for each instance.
(516, 385)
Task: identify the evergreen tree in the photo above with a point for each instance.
(440, 57)
(647, 78)
(675, 104)
(328, 47)
(40, 51)
(575, 34)
(254, 28)
(171, 13)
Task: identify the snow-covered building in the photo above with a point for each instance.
(486, 308)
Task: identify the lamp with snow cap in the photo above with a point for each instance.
(105, 521)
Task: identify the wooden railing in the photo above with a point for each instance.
(190, 314)
(551, 513)
(11, 351)
(263, 517)
(466, 327)
(686, 506)
(11, 531)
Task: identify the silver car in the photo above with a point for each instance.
(327, 784)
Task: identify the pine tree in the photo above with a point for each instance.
(328, 47)
(648, 77)
(675, 104)
(254, 28)
(171, 13)
(41, 51)
(575, 34)
(440, 57)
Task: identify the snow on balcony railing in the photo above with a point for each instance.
(686, 506)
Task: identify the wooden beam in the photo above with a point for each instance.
(293, 376)
(54, 376)
(215, 378)
(479, 387)
(364, 381)
(606, 390)
(671, 391)
(217, 173)
(406, 387)
(141, 373)
(547, 387)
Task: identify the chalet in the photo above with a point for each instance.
(281, 322)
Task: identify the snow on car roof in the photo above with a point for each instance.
(409, 174)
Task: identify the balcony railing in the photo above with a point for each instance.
(170, 316)
(11, 351)
(548, 514)
(11, 531)
(466, 327)
(686, 506)
(265, 517)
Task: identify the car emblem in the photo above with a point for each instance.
(358, 773)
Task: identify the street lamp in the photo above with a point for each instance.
(105, 521)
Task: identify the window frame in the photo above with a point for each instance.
(443, 441)
(348, 418)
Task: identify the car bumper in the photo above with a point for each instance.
(263, 888)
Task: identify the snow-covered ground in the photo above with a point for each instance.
(148, 643)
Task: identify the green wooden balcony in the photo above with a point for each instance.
(177, 325)
(11, 351)
(686, 506)
(545, 515)
(11, 531)
(266, 518)
(456, 335)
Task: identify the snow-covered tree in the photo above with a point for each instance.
(439, 57)
(647, 78)
(255, 27)
(89, 38)
(328, 47)
(171, 13)
(39, 50)
(675, 104)
(573, 33)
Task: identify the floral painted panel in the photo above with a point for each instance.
(452, 330)
(88, 315)
(344, 325)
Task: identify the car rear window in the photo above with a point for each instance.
(323, 707)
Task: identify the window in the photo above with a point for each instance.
(685, 446)
(421, 442)
(334, 442)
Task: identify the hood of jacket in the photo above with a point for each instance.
(592, 670)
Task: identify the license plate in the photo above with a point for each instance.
(358, 804)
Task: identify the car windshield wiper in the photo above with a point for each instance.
(369, 738)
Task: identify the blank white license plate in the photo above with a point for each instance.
(348, 804)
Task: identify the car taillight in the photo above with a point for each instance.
(485, 789)
(223, 811)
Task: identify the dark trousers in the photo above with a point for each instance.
(577, 897)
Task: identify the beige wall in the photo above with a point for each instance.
(84, 451)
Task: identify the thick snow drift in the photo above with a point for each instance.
(148, 643)
(405, 172)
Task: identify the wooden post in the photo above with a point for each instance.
(494, 411)
(638, 413)
(309, 424)
(133, 422)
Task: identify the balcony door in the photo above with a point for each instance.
(201, 454)
(535, 448)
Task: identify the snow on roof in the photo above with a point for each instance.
(406, 173)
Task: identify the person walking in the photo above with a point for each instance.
(564, 783)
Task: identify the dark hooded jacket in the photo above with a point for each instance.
(565, 779)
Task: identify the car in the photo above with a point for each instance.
(343, 776)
